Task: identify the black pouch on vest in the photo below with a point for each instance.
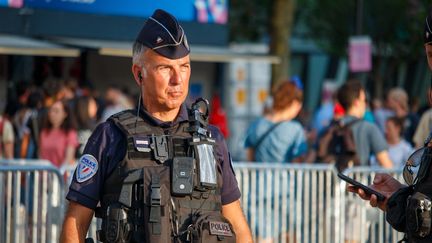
(211, 228)
(115, 228)
(156, 185)
(418, 215)
(396, 205)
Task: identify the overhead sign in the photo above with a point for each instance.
(360, 54)
(204, 11)
(12, 3)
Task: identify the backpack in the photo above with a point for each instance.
(337, 145)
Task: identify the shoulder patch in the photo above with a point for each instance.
(87, 168)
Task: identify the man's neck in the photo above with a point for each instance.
(163, 115)
(393, 140)
(286, 115)
(355, 113)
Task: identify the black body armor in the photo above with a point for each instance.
(410, 209)
(158, 192)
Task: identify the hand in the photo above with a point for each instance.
(383, 183)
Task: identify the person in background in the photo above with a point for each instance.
(86, 110)
(116, 101)
(7, 138)
(58, 138)
(324, 115)
(218, 116)
(399, 148)
(398, 103)
(423, 128)
(29, 124)
(368, 139)
(277, 137)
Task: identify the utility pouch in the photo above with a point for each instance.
(156, 194)
(210, 228)
(419, 215)
(115, 228)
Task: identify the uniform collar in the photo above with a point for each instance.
(181, 116)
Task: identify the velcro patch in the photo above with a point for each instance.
(87, 168)
(142, 144)
(220, 228)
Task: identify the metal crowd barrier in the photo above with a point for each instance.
(290, 202)
(282, 203)
(31, 201)
(361, 222)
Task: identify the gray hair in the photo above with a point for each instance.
(138, 50)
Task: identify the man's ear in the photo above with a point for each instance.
(137, 73)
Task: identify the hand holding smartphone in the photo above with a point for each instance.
(365, 188)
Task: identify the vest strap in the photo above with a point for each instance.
(155, 210)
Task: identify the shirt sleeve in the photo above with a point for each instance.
(250, 140)
(377, 140)
(230, 191)
(300, 144)
(107, 146)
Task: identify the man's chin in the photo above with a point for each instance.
(172, 105)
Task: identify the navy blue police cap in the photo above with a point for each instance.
(428, 29)
(163, 34)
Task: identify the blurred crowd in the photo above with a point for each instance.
(388, 130)
(55, 120)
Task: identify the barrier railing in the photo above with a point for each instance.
(282, 202)
(31, 201)
(362, 223)
(289, 202)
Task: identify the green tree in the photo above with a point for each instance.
(265, 21)
(393, 26)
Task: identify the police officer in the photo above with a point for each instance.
(408, 208)
(159, 173)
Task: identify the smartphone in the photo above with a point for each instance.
(365, 188)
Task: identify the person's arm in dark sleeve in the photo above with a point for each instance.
(230, 193)
(104, 149)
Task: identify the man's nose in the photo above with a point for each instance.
(176, 77)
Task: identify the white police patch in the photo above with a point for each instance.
(87, 168)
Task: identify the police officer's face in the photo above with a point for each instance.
(165, 81)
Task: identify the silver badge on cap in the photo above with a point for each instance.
(159, 40)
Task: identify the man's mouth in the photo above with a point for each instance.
(175, 93)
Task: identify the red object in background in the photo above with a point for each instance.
(339, 111)
(218, 117)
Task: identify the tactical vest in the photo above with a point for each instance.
(138, 202)
(409, 210)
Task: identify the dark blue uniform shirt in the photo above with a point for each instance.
(107, 145)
